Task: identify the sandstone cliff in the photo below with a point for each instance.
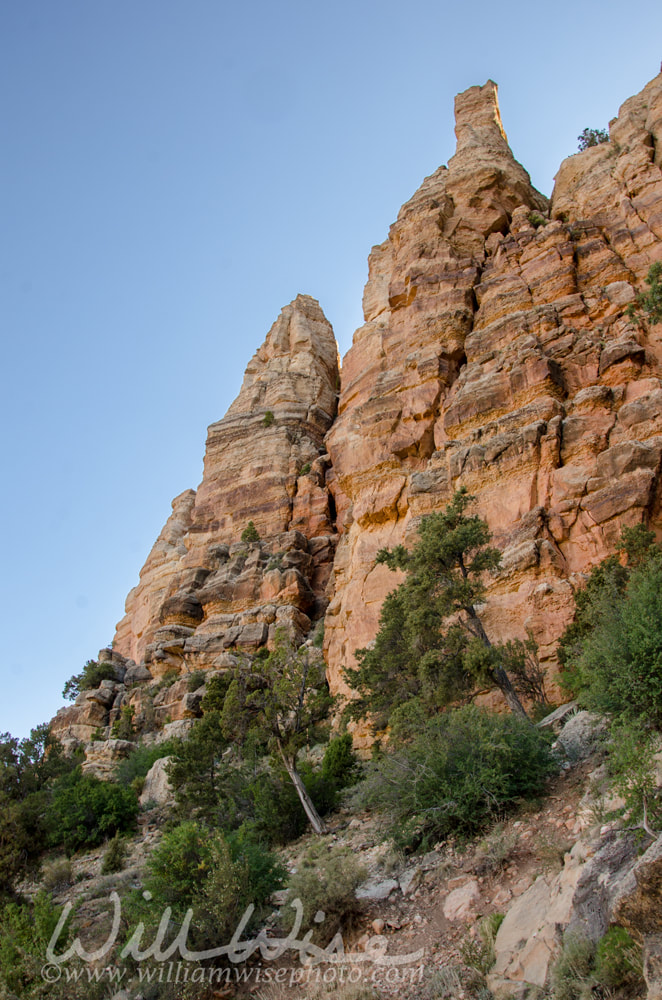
(497, 354)
(205, 595)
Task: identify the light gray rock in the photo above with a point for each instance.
(137, 674)
(103, 756)
(174, 730)
(581, 736)
(157, 788)
(376, 889)
(410, 879)
(558, 715)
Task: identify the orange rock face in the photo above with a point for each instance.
(497, 354)
(202, 590)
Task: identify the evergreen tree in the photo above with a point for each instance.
(432, 648)
(280, 699)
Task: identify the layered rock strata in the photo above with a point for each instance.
(498, 354)
(202, 590)
(205, 596)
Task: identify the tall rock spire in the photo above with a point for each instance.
(497, 354)
(264, 462)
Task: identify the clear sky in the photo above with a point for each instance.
(171, 174)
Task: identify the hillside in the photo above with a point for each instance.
(505, 351)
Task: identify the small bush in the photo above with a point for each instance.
(250, 533)
(340, 765)
(494, 851)
(572, 974)
(536, 219)
(268, 419)
(591, 137)
(84, 811)
(619, 961)
(115, 856)
(88, 679)
(123, 728)
(326, 881)
(25, 931)
(57, 874)
(651, 301)
(196, 680)
(631, 765)
(318, 635)
(305, 469)
(141, 760)
(479, 953)
(464, 769)
(215, 876)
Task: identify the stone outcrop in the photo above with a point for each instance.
(497, 354)
(202, 590)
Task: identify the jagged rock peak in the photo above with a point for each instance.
(265, 462)
(478, 118)
(300, 344)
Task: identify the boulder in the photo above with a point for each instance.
(461, 903)
(157, 789)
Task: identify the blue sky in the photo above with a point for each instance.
(171, 175)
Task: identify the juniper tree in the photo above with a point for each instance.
(432, 648)
(280, 699)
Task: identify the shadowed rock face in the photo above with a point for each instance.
(201, 590)
(497, 354)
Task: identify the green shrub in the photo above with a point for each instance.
(479, 953)
(318, 635)
(215, 876)
(651, 301)
(591, 137)
(619, 962)
(250, 533)
(613, 658)
(25, 931)
(123, 728)
(196, 680)
(115, 855)
(465, 769)
(83, 811)
(631, 765)
(572, 974)
(57, 874)
(326, 879)
(536, 219)
(268, 418)
(340, 765)
(141, 760)
(305, 469)
(89, 678)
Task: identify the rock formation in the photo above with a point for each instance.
(204, 594)
(497, 354)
